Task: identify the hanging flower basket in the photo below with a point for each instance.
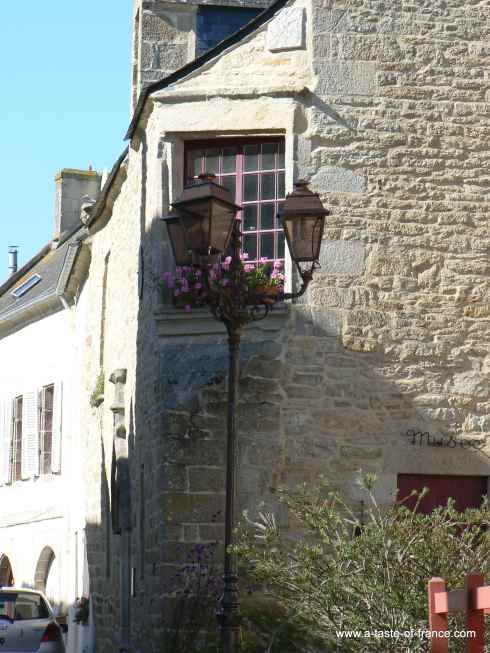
(192, 287)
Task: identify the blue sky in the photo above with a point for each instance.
(65, 86)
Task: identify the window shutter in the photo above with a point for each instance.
(57, 428)
(5, 440)
(30, 435)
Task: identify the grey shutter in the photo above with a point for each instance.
(30, 434)
(5, 439)
(57, 428)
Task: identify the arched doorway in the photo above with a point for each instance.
(44, 568)
(6, 573)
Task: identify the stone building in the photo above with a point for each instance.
(384, 109)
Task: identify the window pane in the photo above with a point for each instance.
(280, 245)
(195, 163)
(251, 157)
(250, 246)
(280, 158)
(280, 185)
(267, 187)
(268, 156)
(212, 162)
(267, 216)
(250, 188)
(230, 182)
(229, 159)
(250, 217)
(267, 245)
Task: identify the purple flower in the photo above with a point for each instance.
(198, 286)
(188, 308)
(225, 282)
(170, 283)
(176, 292)
(277, 265)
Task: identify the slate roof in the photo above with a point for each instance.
(195, 64)
(53, 266)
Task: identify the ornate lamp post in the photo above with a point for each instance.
(204, 223)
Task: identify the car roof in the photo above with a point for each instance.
(20, 589)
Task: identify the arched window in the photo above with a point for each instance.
(6, 574)
(43, 568)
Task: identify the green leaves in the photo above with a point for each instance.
(337, 573)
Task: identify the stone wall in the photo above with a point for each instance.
(393, 334)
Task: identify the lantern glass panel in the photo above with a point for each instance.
(207, 225)
(304, 236)
(182, 254)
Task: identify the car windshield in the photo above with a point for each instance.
(21, 606)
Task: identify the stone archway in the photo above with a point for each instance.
(6, 573)
(43, 568)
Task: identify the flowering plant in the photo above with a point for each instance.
(191, 287)
(187, 286)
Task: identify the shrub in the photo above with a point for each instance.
(341, 574)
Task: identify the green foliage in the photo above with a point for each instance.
(341, 574)
(97, 395)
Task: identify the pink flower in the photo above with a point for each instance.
(264, 259)
(278, 265)
(249, 267)
(228, 260)
(244, 256)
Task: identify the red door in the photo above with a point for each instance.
(466, 490)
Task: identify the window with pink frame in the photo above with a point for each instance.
(253, 170)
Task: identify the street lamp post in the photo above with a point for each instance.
(203, 223)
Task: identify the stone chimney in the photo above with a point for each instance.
(73, 187)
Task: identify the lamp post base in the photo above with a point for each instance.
(229, 617)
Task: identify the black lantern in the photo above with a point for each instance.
(303, 218)
(175, 230)
(207, 214)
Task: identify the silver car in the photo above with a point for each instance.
(27, 623)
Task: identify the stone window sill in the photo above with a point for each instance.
(173, 323)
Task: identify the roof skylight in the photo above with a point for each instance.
(27, 285)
